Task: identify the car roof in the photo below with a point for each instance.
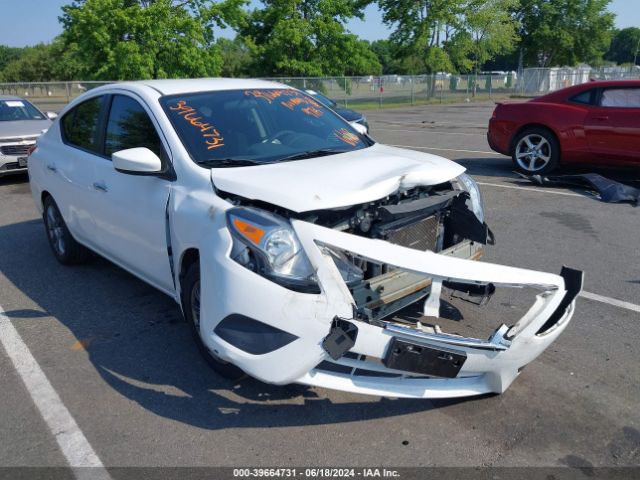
(192, 85)
(569, 91)
(10, 97)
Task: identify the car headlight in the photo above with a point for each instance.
(270, 247)
(469, 185)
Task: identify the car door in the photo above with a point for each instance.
(130, 217)
(69, 168)
(613, 126)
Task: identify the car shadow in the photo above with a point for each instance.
(137, 341)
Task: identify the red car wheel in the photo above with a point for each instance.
(535, 151)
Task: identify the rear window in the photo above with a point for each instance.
(585, 97)
(80, 125)
(258, 126)
(15, 110)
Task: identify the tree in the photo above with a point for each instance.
(385, 51)
(491, 29)
(236, 57)
(33, 65)
(139, 39)
(8, 55)
(307, 38)
(421, 29)
(565, 32)
(625, 46)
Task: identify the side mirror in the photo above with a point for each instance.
(359, 127)
(137, 161)
(51, 115)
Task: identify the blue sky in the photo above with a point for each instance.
(26, 22)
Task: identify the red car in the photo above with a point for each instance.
(596, 123)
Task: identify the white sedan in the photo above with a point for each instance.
(291, 241)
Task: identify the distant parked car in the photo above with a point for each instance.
(349, 115)
(596, 123)
(20, 125)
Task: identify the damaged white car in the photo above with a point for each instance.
(293, 242)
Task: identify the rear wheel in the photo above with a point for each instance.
(65, 248)
(191, 308)
(535, 151)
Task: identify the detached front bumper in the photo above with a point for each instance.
(289, 348)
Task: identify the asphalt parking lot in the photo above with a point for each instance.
(121, 359)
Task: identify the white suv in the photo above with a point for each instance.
(291, 241)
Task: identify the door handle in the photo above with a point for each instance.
(101, 187)
(602, 118)
(52, 168)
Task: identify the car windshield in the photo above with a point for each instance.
(257, 126)
(14, 110)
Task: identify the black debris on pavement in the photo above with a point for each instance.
(610, 191)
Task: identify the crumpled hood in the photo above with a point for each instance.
(23, 128)
(336, 180)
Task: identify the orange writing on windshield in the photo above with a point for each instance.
(212, 137)
(346, 136)
(270, 95)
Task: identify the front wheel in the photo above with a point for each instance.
(191, 309)
(535, 151)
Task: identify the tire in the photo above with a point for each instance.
(191, 309)
(535, 151)
(65, 248)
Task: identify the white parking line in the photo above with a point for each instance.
(74, 445)
(611, 301)
(426, 130)
(529, 189)
(448, 150)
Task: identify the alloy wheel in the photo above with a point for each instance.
(55, 230)
(533, 152)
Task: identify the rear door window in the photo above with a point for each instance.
(620, 97)
(129, 126)
(80, 125)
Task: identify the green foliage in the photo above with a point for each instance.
(491, 29)
(307, 38)
(625, 47)
(421, 27)
(42, 62)
(449, 35)
(140, 39)
(131, 39)
(385, 50)
(236, 57)
(8, 55)
(565, 32)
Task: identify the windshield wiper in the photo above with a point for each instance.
(230, 162)
(322, 152)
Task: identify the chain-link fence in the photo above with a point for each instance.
(380, 91)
